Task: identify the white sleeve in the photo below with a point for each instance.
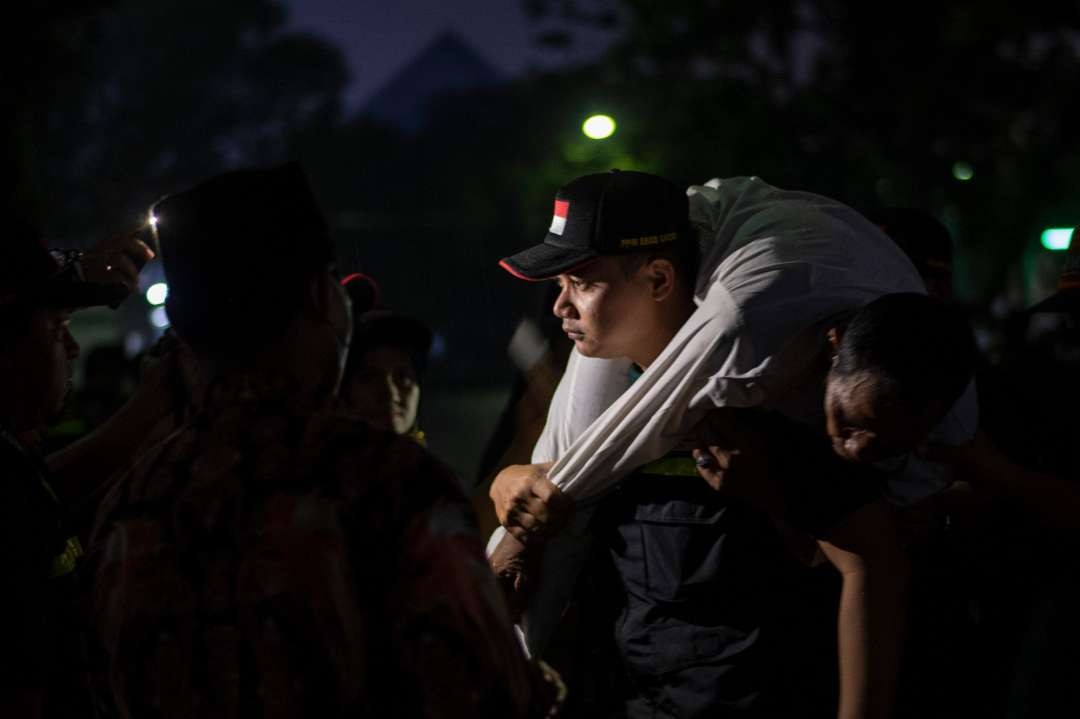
(587, 387)
(649, 418)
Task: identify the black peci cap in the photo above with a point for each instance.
(237, 250)
(610, 213)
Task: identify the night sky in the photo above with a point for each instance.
(378, 38)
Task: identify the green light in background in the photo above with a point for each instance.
(1057, 238)
(963, 171)
(598, 127)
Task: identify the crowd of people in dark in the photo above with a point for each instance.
(755, 464)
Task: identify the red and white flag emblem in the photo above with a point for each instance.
(558, 222)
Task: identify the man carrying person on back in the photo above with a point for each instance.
(700, 579)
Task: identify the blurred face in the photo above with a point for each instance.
(604, 312)
(384, 391)
(37, 369)
(866, 426)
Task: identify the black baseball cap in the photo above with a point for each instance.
(377, 326)
(32, 277)
(364, 292)
(609, 213)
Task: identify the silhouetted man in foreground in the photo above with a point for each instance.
(275, 556)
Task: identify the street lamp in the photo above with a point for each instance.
(1057, 239)
(963, 171)
(598, 127)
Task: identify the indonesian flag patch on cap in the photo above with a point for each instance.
(558, 221)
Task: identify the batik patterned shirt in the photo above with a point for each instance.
(274, 558)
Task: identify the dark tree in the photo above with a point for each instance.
(873, 103)
(153, 96)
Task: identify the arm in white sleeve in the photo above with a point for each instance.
(650, 417)
(588, 387)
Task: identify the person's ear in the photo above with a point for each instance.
(835, 335)
(660, 274)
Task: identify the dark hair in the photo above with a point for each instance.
(922, 237)
(918, 347)
(684, 256)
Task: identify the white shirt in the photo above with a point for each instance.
(777, 266)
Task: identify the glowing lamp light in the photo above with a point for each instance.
(598, 127)
(963, 171)
(1057, 239)
(152, 219)
(159, 318)
(156, 293)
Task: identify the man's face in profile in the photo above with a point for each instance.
(604, 311)
(39, 364)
